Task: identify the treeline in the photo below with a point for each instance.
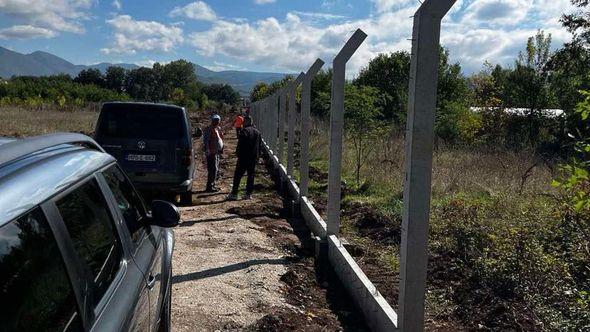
(501, 106)
(175, 82)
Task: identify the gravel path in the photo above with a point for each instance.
(226, 269)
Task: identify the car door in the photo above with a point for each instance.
(147, 240)
(36, 292)
(115, 292)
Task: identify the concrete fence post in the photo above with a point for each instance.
(292, 109)
(305, 125)
(274, 123)
(418, 168)
(337, 129)
(282, 121)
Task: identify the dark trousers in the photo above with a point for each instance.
(241, 168)
(212, 169)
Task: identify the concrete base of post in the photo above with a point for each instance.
(321, 250)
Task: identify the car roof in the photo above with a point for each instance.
(28, 180)
(4, 140)
(138, 105)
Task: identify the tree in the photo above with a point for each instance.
(527, 85)
(222, 93)
(578, 23)
(141, 84)
(485, 89)
(115, 78)
(90, 76)
(390, 74)
(321, 86)
(453, 117)
(362, 115)
(260, 91)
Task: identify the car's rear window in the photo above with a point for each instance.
(144, 124)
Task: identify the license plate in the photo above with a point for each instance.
(141, 157)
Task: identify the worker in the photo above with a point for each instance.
(248, 152)
(213, 145)
(239, 124)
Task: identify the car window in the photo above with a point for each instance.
(129, 202)
(86, 216)
(35, 291)
(160, 124)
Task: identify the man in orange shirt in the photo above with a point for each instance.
(239, 124)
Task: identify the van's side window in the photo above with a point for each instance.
(128, 201)
(35, 291)
(87, 219)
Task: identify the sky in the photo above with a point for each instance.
(267, 35)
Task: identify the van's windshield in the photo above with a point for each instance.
(147, 124)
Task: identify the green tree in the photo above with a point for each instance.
(362, 115)
(320, 93)
(115, 78)
(141, 84)
(222, 93)
(259, 91)
(90, 76)
(453, 117)
(390, 74)
(578, 23)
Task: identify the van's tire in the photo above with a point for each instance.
(186, 198)
(166, 314)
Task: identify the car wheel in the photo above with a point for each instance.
(186, 198)
(166, 314)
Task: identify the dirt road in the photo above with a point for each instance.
(240, 265)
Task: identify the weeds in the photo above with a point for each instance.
(504, 252)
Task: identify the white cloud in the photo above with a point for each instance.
(497, 12)
(131, 36)
(197, 10)
(117, 4)
(54, 15)
(383, 6)
(475, 31)
(221, 66)
(262, 2)
(25, 32)
(318, 15)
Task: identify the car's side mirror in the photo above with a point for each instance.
(164, 214)
(197, 133)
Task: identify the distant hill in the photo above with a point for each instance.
(242, 81)
(42, 64)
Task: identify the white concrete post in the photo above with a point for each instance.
(419, 141)
(305, 124)
(264, 119)
(337, 128)
(275, 121)
(291, 134)
(282, 121)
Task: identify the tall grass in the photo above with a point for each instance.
(20, 121)
(504, 251)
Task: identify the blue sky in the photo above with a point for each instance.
(266, 35)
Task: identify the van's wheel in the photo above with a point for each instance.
(186, 198)
(166, 314)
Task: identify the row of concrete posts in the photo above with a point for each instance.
(279, 110)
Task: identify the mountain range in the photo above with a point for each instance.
(41, 63)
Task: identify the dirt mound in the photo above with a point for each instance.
(375, 225)
(256, 210)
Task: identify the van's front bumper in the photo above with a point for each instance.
(159, 187)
